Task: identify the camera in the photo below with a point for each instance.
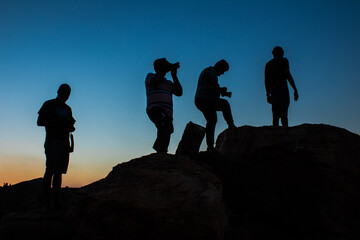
(174, 66)
(225, 93)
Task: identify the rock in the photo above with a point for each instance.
(300, 182)
(159, 196)
(296, 183)
(191, 139)
(22, 196)
(36, 224)
(23, 215)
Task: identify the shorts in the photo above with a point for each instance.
(57, 153)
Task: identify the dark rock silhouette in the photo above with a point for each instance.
(159, 196)
(191, 139)
(22, 196)
(22, 215)
(297, 183)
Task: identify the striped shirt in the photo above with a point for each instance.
(159, 95)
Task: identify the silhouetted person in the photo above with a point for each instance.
(208, 101)
(159, 93)
(277, 73)
(57, 118)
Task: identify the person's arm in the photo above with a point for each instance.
(177, 89)
(43, 118)
(71, 122)
(212, 80)
(267, 84)
(292, 83)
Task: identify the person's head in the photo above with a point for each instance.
(162, 66)
(278, 52)
(63, 92)
(221, 67)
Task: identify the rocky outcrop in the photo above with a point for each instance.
(159, 196)
(300, 182)
(297, 183)
(191, 139)
(22, 196)
(22, 215)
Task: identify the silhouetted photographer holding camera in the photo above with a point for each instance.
(159, 93)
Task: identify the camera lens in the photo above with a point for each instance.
(176, 65)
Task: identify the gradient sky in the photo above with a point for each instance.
(104, 49)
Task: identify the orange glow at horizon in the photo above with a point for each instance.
(16, 169)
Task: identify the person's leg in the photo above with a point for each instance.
(284, 117)
(275, 120)
(276, 115)
(47, 182)
(209, 112)
(57, 181)
(155, 116)
(56, 184)
(224, 106)
(211, 119)
(284, 121)
(164, 127)
(47, 193)
(164, 132)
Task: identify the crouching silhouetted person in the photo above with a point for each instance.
(57, 118)
(159, 93)
(208, 101)
(277, 73)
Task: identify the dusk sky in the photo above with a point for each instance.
(104, 49)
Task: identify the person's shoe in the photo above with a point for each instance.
(232, 126)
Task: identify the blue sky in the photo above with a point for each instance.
(104, 49)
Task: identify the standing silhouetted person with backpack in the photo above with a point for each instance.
(277, 74)
(208, 101)
(56, 116)
(159, 93)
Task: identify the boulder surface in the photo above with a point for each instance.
(300, 182)
(159, 196)
(294, 183)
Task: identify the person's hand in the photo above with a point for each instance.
(174, 67)
(72, 128)
(223, 91)
(268, 98)
(173, 72)
(296, 96)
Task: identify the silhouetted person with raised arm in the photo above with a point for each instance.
(56, 116)
(208, 101)
(277, 74)
(159, 93)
